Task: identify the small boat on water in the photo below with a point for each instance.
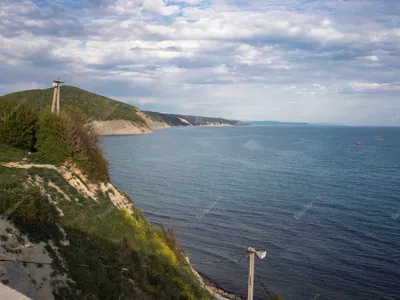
(358, 144)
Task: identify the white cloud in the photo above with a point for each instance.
(371, 58)
(135, 7)
(309, 92)
(210, 57)
(373, 86)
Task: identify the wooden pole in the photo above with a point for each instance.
(58, 98)
(251, 274)
(53, 105)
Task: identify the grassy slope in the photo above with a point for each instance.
(8, 153)
(93, 105)
(153, 269)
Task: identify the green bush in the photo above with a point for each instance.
(50, 145)
(17, 124)
(84, 143)
(67, 136)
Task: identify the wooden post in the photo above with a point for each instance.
(58, 97)
(251, 274)
(53, 105)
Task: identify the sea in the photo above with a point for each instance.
(323, 201)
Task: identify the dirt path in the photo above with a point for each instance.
(21, 165)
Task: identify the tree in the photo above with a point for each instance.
(84, 143)
(18, 124)
(51, 147)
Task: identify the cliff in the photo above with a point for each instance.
(66, 237)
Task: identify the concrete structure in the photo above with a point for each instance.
(55, 106)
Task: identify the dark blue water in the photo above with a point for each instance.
(326, 210)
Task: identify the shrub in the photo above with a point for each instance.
(50, 144)
(67, 136)
(84, 143)
(17, 124)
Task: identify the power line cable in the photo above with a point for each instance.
(116, 266)
(218, 261)
(263, 285)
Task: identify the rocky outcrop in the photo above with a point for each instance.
(78, 180)
(119, 127)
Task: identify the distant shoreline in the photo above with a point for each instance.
(122, 127)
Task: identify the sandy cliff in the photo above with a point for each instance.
(124, 127)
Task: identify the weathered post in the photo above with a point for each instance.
(250, 288)
(261, 253)
(55, 106)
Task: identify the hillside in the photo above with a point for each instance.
(65, 231)
(93, 105)
(82, 239)
(111, 117)
(187, 120)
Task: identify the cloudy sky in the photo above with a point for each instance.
(289, 60)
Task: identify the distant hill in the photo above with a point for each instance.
(187, 120)
(271, 123)
(100, 108)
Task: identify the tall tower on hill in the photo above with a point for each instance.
(55, 106)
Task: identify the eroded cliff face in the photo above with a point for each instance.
(96, 241)
(42, 280)
(124, 127)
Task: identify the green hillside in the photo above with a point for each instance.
(102, 108)
(55, 194)
(93, 105)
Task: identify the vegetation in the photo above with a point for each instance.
(94, 106)
(9, 153)
(111, 253)
(124, 255)
(83, 144)
(17, 124)
(272, 296)
(101, 108)
(53, 138)
(50, 145)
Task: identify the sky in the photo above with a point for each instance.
(331, 61)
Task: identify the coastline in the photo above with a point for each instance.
(212, 287)
(123, 127)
